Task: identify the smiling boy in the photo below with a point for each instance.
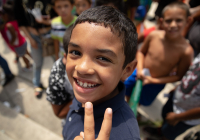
(162, 51)
(59, 24)
(100, 54)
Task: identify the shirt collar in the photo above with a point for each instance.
(115, 103)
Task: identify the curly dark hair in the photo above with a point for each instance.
(118, 23)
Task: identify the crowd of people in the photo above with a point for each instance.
(98, 61)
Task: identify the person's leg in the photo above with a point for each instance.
(28, 53)
(26, 61)
(8, 75)
(38, 61)
(4, 66)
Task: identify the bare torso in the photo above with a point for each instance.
(162, 55)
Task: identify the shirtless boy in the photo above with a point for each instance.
(162, 51)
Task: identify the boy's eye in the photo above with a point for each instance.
(103, 59)
(75, 52)
(168, 21)
(178, 20)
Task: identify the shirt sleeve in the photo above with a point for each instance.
(56, 93)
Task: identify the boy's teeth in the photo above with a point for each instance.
(85, 85)
(81, 83)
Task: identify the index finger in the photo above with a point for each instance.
(89, 132)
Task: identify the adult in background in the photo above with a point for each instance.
(34, 29)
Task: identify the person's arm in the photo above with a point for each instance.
(56, 46)
(11, 29)
(181, 69)
(27, 34)
(141, 55)
(61, 110)
(173, 118)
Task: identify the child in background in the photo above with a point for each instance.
(59, 24)
(12, 36)
(160, 53)
(82, 5)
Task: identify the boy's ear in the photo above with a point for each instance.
(128, 70)
(64, 59)
(190, 20)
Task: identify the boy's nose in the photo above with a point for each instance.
(84, 67)
(173, 24)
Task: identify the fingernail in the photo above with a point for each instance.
(88, 105)
(109, 111)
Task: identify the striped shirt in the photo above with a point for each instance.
(58, 30)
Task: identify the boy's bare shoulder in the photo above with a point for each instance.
(188, 51)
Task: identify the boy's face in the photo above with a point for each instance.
(94, 62)
(174, 21)
(81, 5)
(63, 8)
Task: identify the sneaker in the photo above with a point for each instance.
(8, 79)
(30, 69)
(38, 92)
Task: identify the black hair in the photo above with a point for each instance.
(89, 1)
(53, 1)
(66, 37)
(116, 3)
(177, 4)
(8, 8)
(119, 24)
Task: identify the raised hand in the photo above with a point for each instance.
(89, 132)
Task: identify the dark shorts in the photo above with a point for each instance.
(149, 92)
(21, 51)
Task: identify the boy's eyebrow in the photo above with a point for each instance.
(73, 45)
(107, 51)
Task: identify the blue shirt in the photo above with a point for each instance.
(124, 123)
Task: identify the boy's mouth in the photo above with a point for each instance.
(84, 84)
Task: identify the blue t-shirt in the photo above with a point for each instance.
(124, 123)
